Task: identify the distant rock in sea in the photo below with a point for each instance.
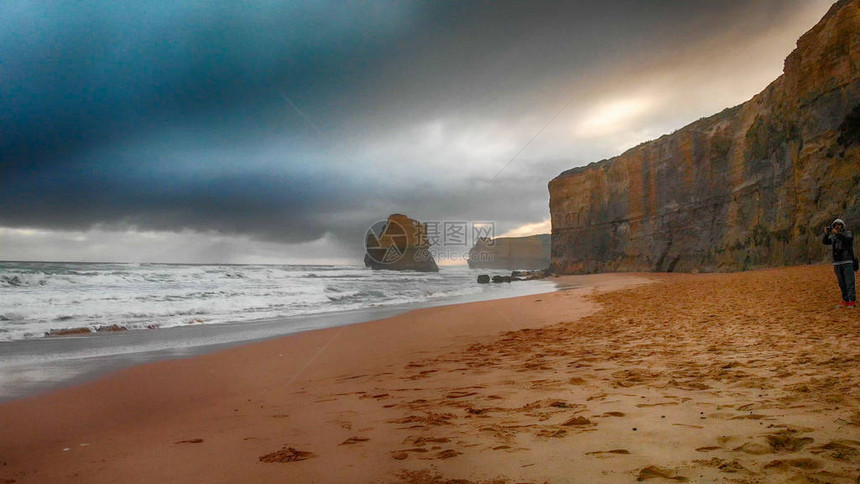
(751, 186)
(524, 253)
(529, 275)
(399, 244)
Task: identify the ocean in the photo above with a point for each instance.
(62, 321)
(38, 298)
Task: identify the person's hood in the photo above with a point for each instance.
(839, 221)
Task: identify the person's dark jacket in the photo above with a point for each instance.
(842, 243)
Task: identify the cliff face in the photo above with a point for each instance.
(751, 186)
(511, 253)
(399, 244)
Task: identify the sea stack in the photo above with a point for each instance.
(399, 244)
(515, 253)
(748, 187)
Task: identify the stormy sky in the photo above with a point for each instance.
(272, 131)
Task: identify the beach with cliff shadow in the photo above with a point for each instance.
(197, 418)
(691, 335)
(684, 377)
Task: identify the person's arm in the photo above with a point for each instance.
(847, 235)
(827, 240)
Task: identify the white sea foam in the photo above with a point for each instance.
(37, 298)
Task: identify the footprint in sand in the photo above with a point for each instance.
(354, 440)
(688, 426)
(785, 441)
(752, 416)
(429, 419)
(480, 411)
(403, 454)
(190, 441)
(413, 449)
(287, 454)
(613, 451)
(730, 467)
(447, 454)
(753, 448)
(344, 424)
(653, 472)
(800, 462)
(578, 420)
(661, 404)
(421, 441)
(844, 450)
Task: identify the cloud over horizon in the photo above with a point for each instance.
(288, 128)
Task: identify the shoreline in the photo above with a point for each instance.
(156, 400)
(38, 365)
(687, 378)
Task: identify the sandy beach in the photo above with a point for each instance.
(743, 377)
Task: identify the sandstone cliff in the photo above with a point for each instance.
(399, 244)
(748, 187)
(511, 253)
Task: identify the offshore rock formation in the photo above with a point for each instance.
(399, 244)
(529, 275)
(751, 186)
(511, 253)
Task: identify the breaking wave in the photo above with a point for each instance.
(38, 299)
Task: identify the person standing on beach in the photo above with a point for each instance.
(842, 241)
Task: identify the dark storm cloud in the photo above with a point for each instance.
(284, 121)
(84, 73)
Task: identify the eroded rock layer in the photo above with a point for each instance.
(750, 186)
(511, 253)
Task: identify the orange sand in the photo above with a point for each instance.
(746, 377)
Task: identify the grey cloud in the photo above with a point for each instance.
(284, 122)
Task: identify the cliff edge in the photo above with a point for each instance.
(748, 187)
(515, 253)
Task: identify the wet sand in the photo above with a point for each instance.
(746, 377)
(34, 366)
